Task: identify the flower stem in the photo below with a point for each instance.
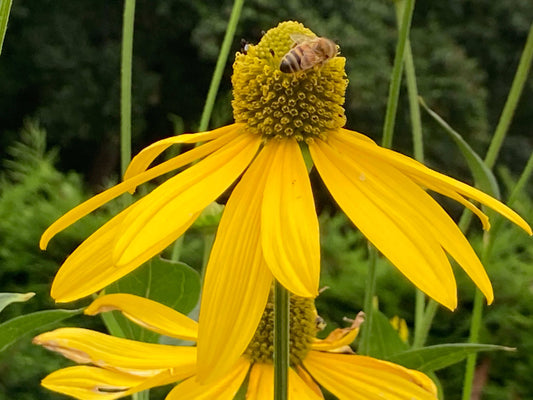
(125, 84)
(221, 63)
(512, 100)
(396, 78)
(364, 345)
(494, 148)
(281, 342)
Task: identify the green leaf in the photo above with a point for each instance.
(171, 283)
(483, 176)
(15, 328)
(8, 298)
(384, 339)
(433, 358)
(5, 7)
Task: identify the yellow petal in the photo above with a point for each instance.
(340, 337)
(92, 383)
(159, 217)
(135, 180)
(237, 280)
(148, 314)
(222, 389)
(387, 219)
(358, 377)
(436, 221)
(289, 225)
(146, 156)
(88, 383)
(261, 385)
(90, 267)
(433, 179)
(144, 359)
(309, 381)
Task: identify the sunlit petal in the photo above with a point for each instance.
(387, 219)
(222, 389)
(148, 314)
(309, 381)
(289, 225)
(433, 179)
(358, 377)
(159, 217)
(237, 280)
(261, 385)
(90, 267)
(400, 188)
(144, 359)
(146, 156)
(88, 383)
(135, 179)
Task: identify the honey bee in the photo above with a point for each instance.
(307, 52)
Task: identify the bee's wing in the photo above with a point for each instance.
(299, 38)
(310, 59)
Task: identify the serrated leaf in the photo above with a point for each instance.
(384, 340)
(15, 328)
(433, 358)
(483, 176)
(8, 298)
(171, 283)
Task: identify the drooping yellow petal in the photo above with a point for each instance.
(159, 217)
(93, 383)
(261, 385)
(146, 156)
(135, 180)
(85, 346)
(437, 222)
(351, 377)
(90, 267)
(389, 221)
(237, 280)
(222, 389)
(432, 179)
(289, 225)
(340, 337)
(148, 314)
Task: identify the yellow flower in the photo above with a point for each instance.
(119, 367)
(269, 228)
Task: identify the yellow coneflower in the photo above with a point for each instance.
(269, 227)
(120, 367)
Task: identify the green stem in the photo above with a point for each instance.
(475, 325)
(512, 100)
(370, 288)
(394, 87)
(281, 342)
(144, 395)
(221, 63)
(125, 84)
(5, 8)
(424, 324)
